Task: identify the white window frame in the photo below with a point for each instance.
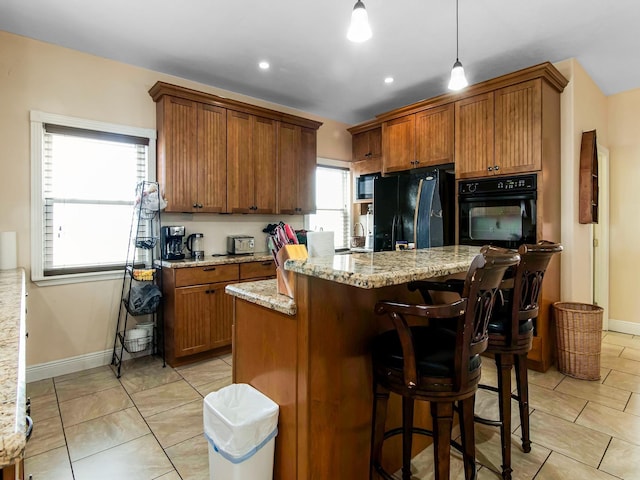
(340, 164)
(38, 119)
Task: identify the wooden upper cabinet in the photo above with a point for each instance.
(296, 166)
(518, 127)
(367, 145)
(221, 155)
(418, 140)
(474, 143)
(398, 144)
(307, 171)
(212, 159)
(265, 160)
(500, 132)
(434, 136)
(192, 155)
(251, 158)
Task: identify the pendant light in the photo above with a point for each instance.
(458, 80)
(359, 30)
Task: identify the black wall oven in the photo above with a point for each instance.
(498, 211)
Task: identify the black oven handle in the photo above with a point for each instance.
(471, 198)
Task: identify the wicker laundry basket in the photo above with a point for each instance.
(579, 337)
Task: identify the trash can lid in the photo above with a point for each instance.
(238, 418)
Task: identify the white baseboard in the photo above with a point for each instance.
(623, 326)
(70, 365)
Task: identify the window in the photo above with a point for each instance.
(84, 177)
(332, 204)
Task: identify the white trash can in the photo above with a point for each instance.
(240, 424)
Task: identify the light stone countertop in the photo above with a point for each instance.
(12, 366)
(216, 260)
(264, 293)
(362, 270)
(383, 269)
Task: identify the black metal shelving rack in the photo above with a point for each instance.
(142, 273)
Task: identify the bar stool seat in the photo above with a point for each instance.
(420, 359)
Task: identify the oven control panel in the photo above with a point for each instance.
(519, 183)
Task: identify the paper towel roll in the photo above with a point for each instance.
(8, 251)
(320, 244)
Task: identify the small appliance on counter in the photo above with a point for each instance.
(195, 245)
(171, 246)
(240, 244)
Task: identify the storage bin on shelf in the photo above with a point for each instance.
(579, 338)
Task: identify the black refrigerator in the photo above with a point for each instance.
(416, 207)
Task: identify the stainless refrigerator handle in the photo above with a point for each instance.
(393, 232)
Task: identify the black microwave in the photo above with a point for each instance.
(364, 186)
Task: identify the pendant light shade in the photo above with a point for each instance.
(359, 30)
(458, 79)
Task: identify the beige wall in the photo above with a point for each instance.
(583, 107)
(78, 319)
(615, 119)
(624, 170)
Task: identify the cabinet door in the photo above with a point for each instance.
(375, 142)
(264, 164)
(518, 123)
(367, 145)
(306, 191)
(192, 329)
(360, 146)
(212, 159)
(221, 315)
(474, 136)
(240, 178)
(177, 153)
(398, 144)
(288, 156)
(434, 136)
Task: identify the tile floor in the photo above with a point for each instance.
(148, 424)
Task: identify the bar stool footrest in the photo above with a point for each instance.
(420, 431)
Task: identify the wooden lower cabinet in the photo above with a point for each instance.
(13, 472)
(198, 315)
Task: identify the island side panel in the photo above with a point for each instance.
(265, 356)
(341, 326)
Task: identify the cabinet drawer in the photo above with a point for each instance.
(257, 270)
(208, 274)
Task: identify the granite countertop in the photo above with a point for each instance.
(382, 269)
(363, 270)
(264, 293)
(216, 260)
(12, 366)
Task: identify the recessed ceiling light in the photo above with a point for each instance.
(264, 65)
(388, 80)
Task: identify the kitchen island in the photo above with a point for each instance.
(311, 354)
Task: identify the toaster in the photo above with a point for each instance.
(240, 244)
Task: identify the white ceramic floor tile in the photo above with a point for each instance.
(609, 421)
(622, 459)
(559, 467)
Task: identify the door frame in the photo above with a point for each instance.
(600, 249)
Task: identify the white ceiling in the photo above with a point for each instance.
(314, 68)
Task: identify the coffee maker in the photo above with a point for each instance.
(171, 238)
